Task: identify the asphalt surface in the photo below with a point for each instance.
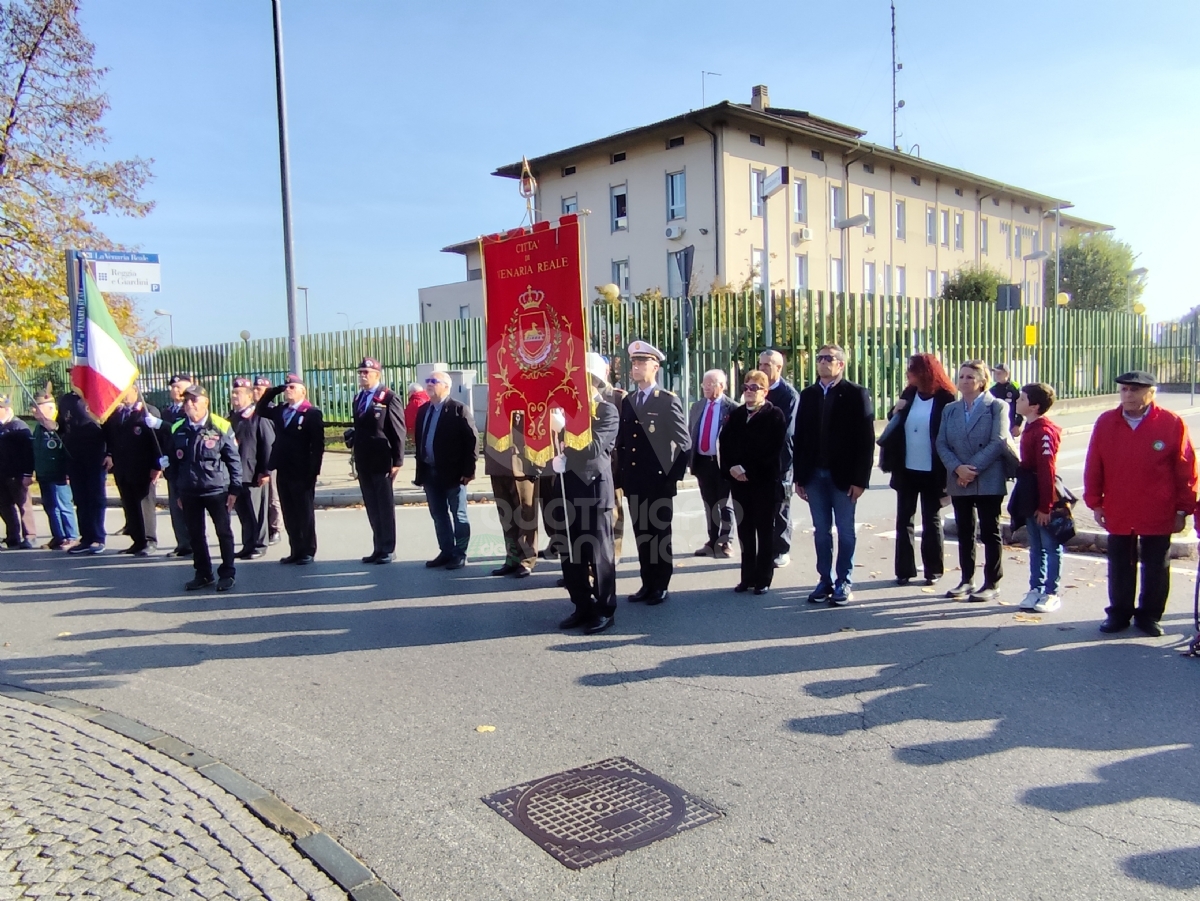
(904, 746)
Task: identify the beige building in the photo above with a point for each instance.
(693, 180)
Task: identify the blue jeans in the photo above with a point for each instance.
(1045, 558)
(448, 507)
(60, 510)
(829, 505)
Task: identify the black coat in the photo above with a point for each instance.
(16, 449)
(725, 407)
(896, 445)
(133, 442)
(851, 435)
(589, 478)
(255, 440)
(754, 443)
(455, 444)
(299, 447)
(653, 445)
(379, 432)
(170, 415)
(787, 400)
(81, 434)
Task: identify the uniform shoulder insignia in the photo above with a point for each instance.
(666, 392)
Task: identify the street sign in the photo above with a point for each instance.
(119, 272)
(1031, 335)
(776, 180)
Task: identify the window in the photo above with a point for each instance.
(945, 228)
(931, 289)
(675, 142)
(958, 231)
(818, 155)
(758, 139)
(1017, 251)
(983, 234)
(835, 275)
(568, 170)
(869, 212)
(1005, 229)
(945, 279)
(620, 276)
(901, 224)
(464, 311)
(958, 191)
(801, 195)
(570, 204)
(916, 180)
(619, 198)
(868, 168)
(1026, 209)
(676, 197)
(868, 278)
(801, 272)
(837, 205)
(674, 279)
(756, 268)
(757, 177)
(930, 225)
(995, 201)
(617, 158)
(901, 282)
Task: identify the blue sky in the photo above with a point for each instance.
(400, 111)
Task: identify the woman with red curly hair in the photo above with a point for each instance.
(917, 473)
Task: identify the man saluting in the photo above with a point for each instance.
(297, 454)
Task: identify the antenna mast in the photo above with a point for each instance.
(895, 69)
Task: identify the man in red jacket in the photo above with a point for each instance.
(1140, 482)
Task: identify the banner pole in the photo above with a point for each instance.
(13, 370)
(566, 520)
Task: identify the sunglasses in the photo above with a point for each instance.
(826, 358)
(434, 382)
(753, 386)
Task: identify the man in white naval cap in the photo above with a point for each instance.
(653, 447)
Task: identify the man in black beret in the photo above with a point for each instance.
(377, 440)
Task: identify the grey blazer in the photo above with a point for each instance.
(977, 444)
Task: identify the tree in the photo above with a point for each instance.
(51, 184)
(973, 283)
(1096, 273)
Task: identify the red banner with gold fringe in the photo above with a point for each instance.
(537, 335)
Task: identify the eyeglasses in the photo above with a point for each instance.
(753, 386)
(433, 381)
(826, 358)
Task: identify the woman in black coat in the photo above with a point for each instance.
(917, 472)
(749, 450)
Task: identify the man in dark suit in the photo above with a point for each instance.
(785, 397)
(134, 460)
(171, 414)
(378, 443)
(584, 476)
(705, 421)
(515, 486)
(447, 450)
(652, 453)
(262, 384)
(297, 454)
(834, 452)
(255, 438)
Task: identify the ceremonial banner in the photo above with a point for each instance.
(537, 336)
(103, 366)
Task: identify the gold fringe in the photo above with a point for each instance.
(499, 444)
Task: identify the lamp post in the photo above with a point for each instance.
(244, 334)
(1025, 261)
(843, 226)
(285, 182)
(772, 184)
(170, 324)
(307, 330)
(1134, 275)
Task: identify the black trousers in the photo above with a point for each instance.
(251, 510)
(714, 494)
(783, 520)
(380, 502)
(215, 505)
(178, 521)
(1123, 557)
(988, 508)
(591, 557)
(925, 488)
(87, 490)
(296, 498)
(16, 511)
(550, 499)
(652, 521)
(133, 492)
(755, 507)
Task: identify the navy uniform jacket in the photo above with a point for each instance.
(16, 449)
(132, 442)
(299, 445)
(653, 445)
(378, 431)
(255, 437)
(588, 480)
(204, 461)
(81, 434)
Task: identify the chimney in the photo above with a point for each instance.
(759, 98)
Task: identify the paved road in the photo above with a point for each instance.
(906, 746)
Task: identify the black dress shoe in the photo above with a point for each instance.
(1149, 626)
(961, 590)
(439, 560)
(706, 551)
(560, 582)
(741, 587)
(640, 595)
(290, 558)
(305, 560)
(573, 621)
(457, 563)
(1112, 625)
(370, 558)
(654, 598)
(761, 589)
(181, 552)
(198, 583)
(507, 569)
(522, 572)
(598, 625)
(904, 580)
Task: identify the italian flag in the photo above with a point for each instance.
(105, 369)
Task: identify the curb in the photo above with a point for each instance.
(1086, 541)
(346, 871)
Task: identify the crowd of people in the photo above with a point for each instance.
(944, 444)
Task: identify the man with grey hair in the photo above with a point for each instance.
(786, 398)
(706, 419)
(447, 450)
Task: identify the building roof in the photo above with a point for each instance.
(1085, 225)
(814, 128)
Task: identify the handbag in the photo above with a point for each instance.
(891, 444)
(1010, 455)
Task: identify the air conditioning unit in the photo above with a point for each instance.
(621, 222)
(675, 232)
(800, 235)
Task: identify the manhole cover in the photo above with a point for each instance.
(598, 811)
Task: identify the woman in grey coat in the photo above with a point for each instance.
(971, 445)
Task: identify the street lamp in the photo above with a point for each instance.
(1026, 260)
(772, 184)
(170, 323)
(285, 183)
(1134, 275)
(307, 330)
(843, 226)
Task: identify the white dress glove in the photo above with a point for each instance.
(558, 421)
(559, 464)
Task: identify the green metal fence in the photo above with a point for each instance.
(1079, 352)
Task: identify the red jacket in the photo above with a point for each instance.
(1039, 453)
(1143, 476)
(416, 401)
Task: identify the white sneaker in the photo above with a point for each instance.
(1030, 601)
(782, 560)
(1047, 603)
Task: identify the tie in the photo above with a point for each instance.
(364, 399)
(641, 397)
(706, 430)
(288, 415)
